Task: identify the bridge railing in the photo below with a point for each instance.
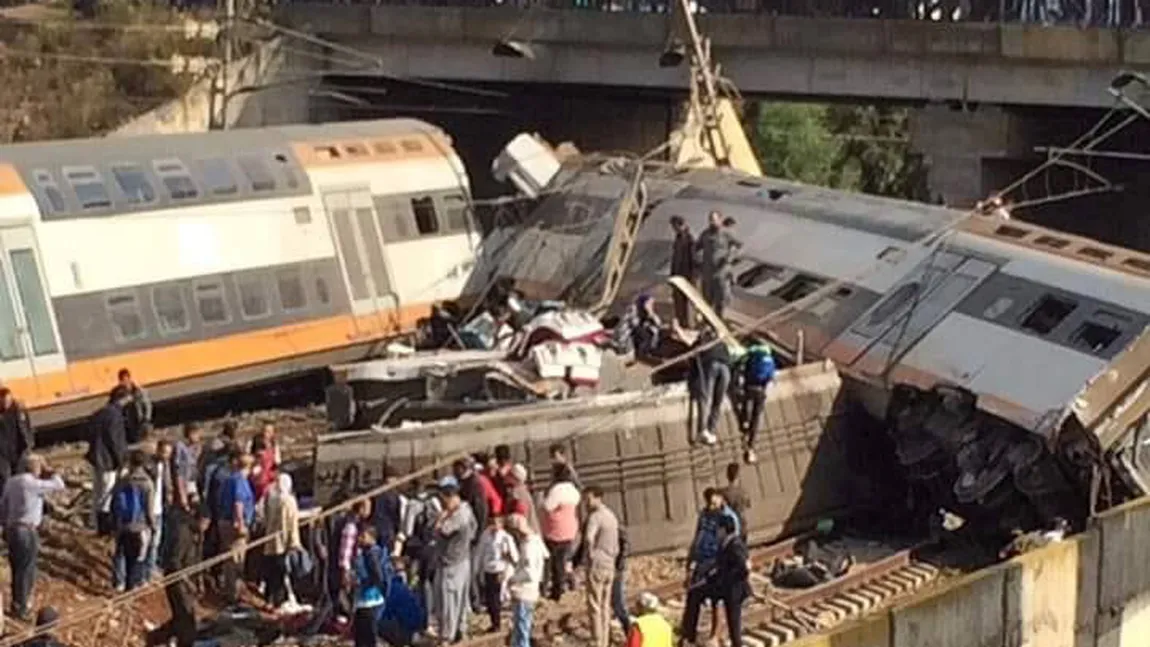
(1125, 14)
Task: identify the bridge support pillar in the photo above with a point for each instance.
(956, 141)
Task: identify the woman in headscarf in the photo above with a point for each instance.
(281, 519)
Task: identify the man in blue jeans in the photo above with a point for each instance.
(22, 510)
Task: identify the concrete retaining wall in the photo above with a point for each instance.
(637, 451)
(1091, 591)
(271, 62)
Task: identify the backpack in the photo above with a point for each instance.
(129, 505)
(760, 367)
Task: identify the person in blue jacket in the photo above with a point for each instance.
(759, 368)
(370, 587)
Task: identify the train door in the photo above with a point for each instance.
(29, 343)
(361, 254)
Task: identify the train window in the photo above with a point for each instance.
(36, 308)
(798, 287)
(455, 208)
(426, 219)
(356, 150)
(758, 275)
(891, 254)
(135, 185)
(210, 303)
(127, 323)
(254, 302)
(51, 191)
(288, 172)
(302, 215)
(257, 173)
(290, 287)
(1011, 232)
(395, 221)
(1099, 332)
(217, 176)
(327, 153)
(176, 179)
(383, 148)
(1051, 241)
(411, 146)
(1138, 264)
(171, 309)
(88, 187)
(321, 291)
(1095, 253)
(1047, 314)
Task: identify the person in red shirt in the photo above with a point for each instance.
(502, 471)
(491, 493)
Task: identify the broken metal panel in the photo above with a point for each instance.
(1116, 392)
(635, 446)
(528, 163)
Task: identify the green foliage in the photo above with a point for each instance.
(65, 80)
(857, 148)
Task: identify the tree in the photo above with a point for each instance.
(857, 148)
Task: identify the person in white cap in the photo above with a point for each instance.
(649, 628)
(526, 579)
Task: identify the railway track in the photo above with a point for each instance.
(775, 616)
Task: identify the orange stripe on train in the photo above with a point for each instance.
(172, 363)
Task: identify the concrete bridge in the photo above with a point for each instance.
(790, 56)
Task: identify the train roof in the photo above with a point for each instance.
(98, 149)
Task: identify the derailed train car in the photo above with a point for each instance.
(1010, 362)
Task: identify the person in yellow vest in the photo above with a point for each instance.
(649, 628)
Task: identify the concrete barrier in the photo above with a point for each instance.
(1089, 591)
(637, 450)
(271, 62)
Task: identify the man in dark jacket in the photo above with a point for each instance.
(618, 588)
(682, 264)
(727, 581)
(15, 435)
(180, 550)
(471, 491)
(387, 512)
(138, 410)
(715, 249)
(107, 447)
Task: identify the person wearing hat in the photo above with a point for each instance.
(649, 628)
(519, 498)
(758, 371)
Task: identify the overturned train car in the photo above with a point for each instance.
(1008, 361)
(635, 445)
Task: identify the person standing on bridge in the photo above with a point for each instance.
(682, 264)
(107, 448)
(715, 249)
(138, 410)
(15, 435)
(22, 510)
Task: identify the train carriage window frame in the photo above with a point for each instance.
(426, 217)
(202, 291)
(758, 274)
(177, 179)
(125, 304)
(50, 189)
(243, 283)
(133, 182)
(161, 308)
(796, 288)
(257, 173)
(88, 187)
(1099, 332)
(1054, 309)
(218, 176)
(292, 275)
(395, 218)
(455, 213)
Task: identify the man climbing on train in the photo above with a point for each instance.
(758, 365)
(137, 411)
